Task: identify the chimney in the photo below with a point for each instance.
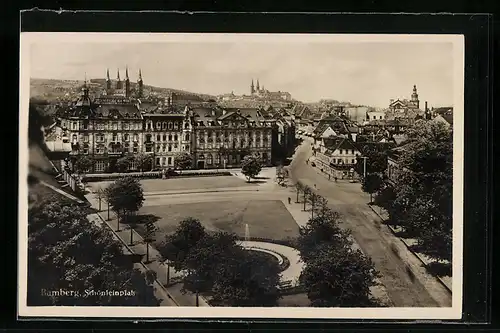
(391, 100)
(425, 106)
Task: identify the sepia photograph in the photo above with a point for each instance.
(241, 175)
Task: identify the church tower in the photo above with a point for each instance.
(127, 83)
(252, 88)
(258, 88)
(118, 81)
(140, 83)
(108, 80)
(414, 97)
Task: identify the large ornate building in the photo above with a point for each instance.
(116, 125)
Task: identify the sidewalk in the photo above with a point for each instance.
(159, 291)
(139, 247)
(409, 242)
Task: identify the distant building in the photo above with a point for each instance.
(260, 91)
(400, 105)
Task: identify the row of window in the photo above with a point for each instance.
(101, 137)
(164, 125)
(341, 161)
(228, 133)
(114, 126)
(113, 148)
(341, 151)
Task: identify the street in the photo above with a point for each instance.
(374, 239)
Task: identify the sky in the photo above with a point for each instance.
(362, 73)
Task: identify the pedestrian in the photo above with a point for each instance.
(314, 185)
(289, 200)
(329, 176)
(335, 178)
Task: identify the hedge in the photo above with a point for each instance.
(152, 175)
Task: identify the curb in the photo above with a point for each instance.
(413, 252)
(141, 262)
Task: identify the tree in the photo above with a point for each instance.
(205, 257)
(144, 161)
(183, 161)
(100, 194)
(150, 230)
(371, 184)
(313, 200)
(122, 164)
(280, 175)
(376, 160)
(223, 152)
(338, 276)
(306, 191)
(322, 229)
(299, 187)
(251, 167)
(126, 196)
(106, 196)
(176, 246)
(245, 280)
(73, 254)
(424, 188)
(83, 165)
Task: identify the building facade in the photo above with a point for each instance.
(113, 126)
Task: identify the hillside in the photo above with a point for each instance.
(52, 90)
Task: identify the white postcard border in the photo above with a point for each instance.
(453, 312)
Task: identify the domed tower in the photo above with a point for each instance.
(140, 85)
(414, 97)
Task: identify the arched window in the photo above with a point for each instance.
(164, 125)
(158, 125)
(170, 137)
(176, 137)
(170, 125)
(187, 136)
(126, 137)
(186, 125)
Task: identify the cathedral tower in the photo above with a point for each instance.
(258, 88)
(118, 81)
(252, 88)
(140, 83)
(127, 83)
(108, 80)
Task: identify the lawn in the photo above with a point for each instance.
(266, 219)
(179, 184)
